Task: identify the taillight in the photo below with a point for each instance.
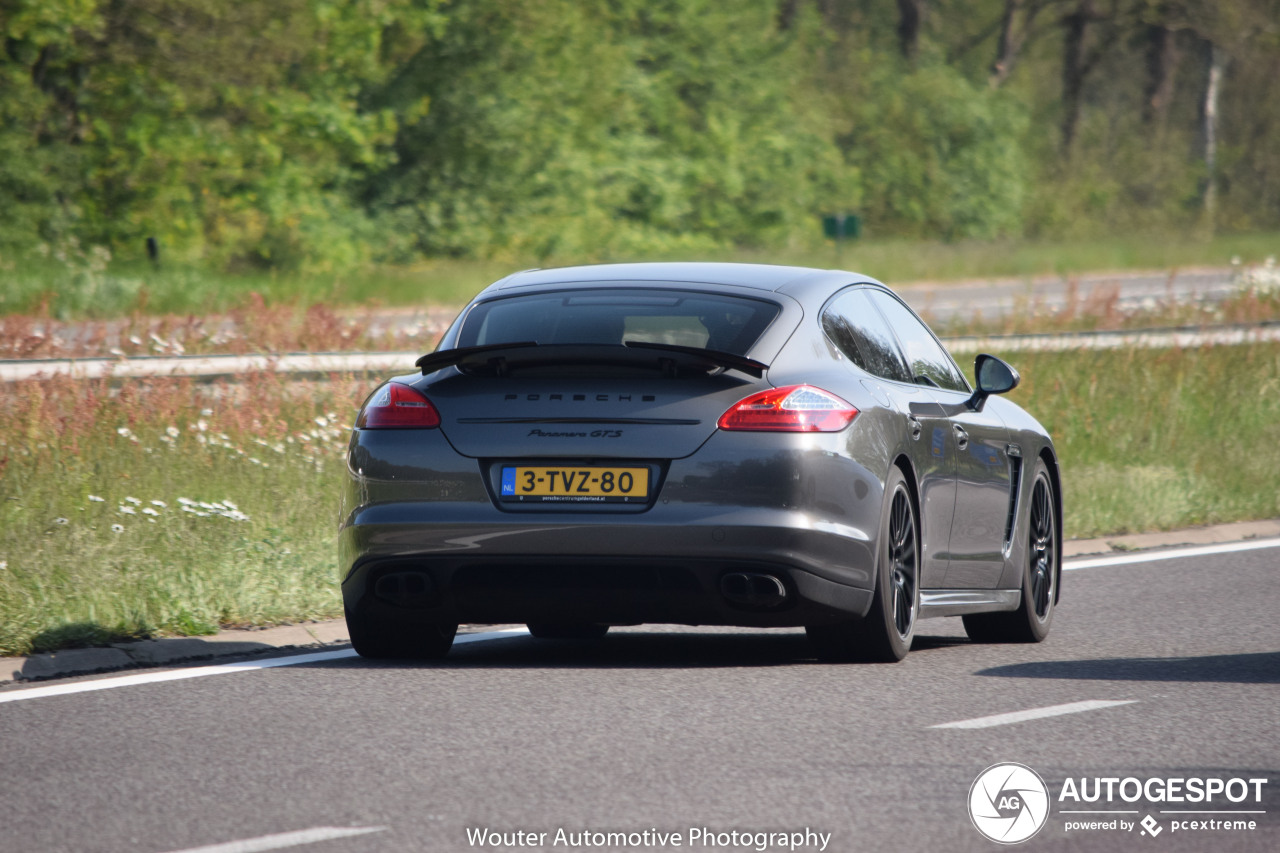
(795, 408)
(396, 406)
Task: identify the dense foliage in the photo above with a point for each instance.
(321, 133)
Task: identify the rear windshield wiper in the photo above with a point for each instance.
(433, 361)
(719, 358)
(501, 357)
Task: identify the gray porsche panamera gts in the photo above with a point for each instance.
(701, 444)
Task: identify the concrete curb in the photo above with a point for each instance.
(1209, 535)
(171, 651)
(241, 643)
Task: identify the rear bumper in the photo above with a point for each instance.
(580, 569)
(804, 510)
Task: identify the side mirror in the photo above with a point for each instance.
(994, 377)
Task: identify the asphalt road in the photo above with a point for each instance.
(679, 730)
(993, 299)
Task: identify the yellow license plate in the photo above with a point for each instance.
(564, 483)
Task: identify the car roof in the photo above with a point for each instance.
(766, 277)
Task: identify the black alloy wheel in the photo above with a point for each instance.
(1043, 549)
(884, 635)
(903, 558)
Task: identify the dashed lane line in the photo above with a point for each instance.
(285, 839)
(1034, 714)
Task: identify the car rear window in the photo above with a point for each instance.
(614, 316)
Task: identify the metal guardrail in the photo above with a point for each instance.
(1180, 337)
(207, 366)
(325, 363)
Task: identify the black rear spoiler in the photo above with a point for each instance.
(501, 358)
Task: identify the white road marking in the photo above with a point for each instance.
(1033, 714)
(218, 669)
(285, 839)
(1153, 556)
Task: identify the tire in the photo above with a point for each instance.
(567, 630)
(390, 639)
(884, 635)
(1042, 571)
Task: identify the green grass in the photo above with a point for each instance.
(46, 288)
(901, 261)
(1160, 439)
(167, 508)
(89, 285)
(1148, 440)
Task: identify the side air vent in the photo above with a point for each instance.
(1015, 486)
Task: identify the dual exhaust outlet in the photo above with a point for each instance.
(407, 589)
(753, 590)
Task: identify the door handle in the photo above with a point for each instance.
(913, 423)
(962, 437)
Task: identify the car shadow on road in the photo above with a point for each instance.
(1251, 668)
(633, 650)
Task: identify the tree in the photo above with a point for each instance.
(1079, 56)
(1163, 57)
(910, 19)
(939, 156)
(1017, 28)
(231, 132)
(639, 128)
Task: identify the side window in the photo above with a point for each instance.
(837, 326)
(862, 335)
(926, 359)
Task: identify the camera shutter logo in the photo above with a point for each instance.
(1008, 803)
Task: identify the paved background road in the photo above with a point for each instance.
(674, 729)
(988, 299)
(995, 298)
